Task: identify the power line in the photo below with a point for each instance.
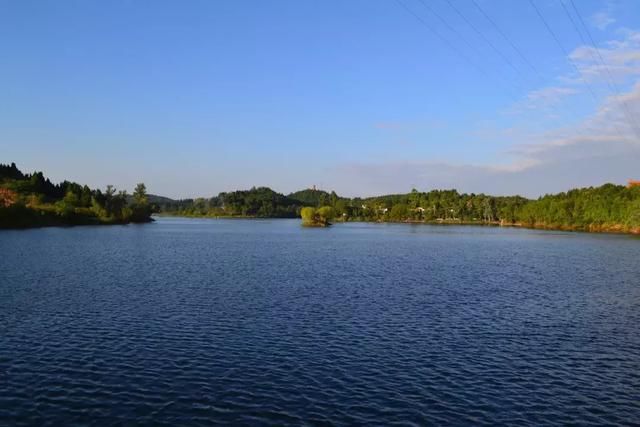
(465, 57)
(452, 46)
(521, 54)
(502, 33)
(444, 21)
(504, 36)
(566, 54)
(564, 51)
(495, 49)
(514, 47)
(470, 46)
(440, 36)
(610, 81)
(566, 11)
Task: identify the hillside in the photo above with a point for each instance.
(260, 202)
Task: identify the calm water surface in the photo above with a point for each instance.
(263, 322)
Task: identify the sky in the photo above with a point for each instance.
(363, 97)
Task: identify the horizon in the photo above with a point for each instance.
(362, 98)
(329, 191)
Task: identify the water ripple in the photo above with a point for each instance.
(263, 323)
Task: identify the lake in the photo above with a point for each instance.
(263, 322)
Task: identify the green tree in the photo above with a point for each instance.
(71, 199)
(399, 212)
(308, 215)
(319, 217)
(326, 213)
(140, 194)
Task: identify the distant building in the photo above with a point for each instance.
(633, 183)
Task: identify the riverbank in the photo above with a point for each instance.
(592, 228)
(22, 217)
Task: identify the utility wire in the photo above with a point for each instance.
(437, 34)
(452, 29)
(564, 51)
(504, 36)
(515, 48)
(444, 21)
(486, 39)
(566, 54)
(465, 57)
(610, 81)
(575, 26)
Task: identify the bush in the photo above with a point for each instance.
(320, 217)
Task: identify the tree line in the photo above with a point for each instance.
(606, 208)
(33, 200)
(260, 202)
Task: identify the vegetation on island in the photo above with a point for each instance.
(317, 217)
(32, 200)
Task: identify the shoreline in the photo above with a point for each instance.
(47, 223)
(594, 229)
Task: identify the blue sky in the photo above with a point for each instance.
(360, 96)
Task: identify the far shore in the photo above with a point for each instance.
(606, 228)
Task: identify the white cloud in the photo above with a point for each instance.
(543, 98)
(622, 59)
(603, 148)
(602, 20)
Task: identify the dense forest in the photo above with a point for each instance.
(32, 200)
(606, 208)
(258, 202)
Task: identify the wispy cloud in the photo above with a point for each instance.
(622, 59)
(603, 147)
(601, 20)
(543, 98)
(555, 169)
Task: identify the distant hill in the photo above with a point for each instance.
(260, 202)
(311, 197)
(155, 199)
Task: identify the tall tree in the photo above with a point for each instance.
(140, 194)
